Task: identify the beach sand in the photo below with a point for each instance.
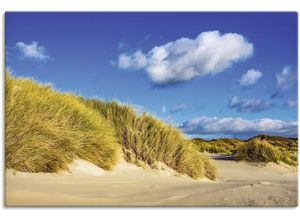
(238, 184)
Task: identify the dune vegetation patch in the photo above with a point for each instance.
(148, 140)
(258, 150)
(261, 148)
(46, 130)
(219, 146)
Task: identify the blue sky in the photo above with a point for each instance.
(210, 74)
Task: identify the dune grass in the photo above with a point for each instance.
(219, 146)
(46, 130)
(258, 150)
(261, 148)
(148, 140)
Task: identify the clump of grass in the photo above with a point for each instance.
(259, 151)
(219, 146)
(149, 140)
(46, 130)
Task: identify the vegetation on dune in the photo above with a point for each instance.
(220, 146)
(288, 147)
(46, 130)
(148, 140)
(261, 148)
(258, 151)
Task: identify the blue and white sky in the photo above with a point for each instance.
(210, 74)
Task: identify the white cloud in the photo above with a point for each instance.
(178, 108)
(250, 77)
(238, 126)
(33, 51)
(248, 105)
(137, 60)
(286, 78)
(185, 58)
(169, 119)
(163, 109)
(291, 103)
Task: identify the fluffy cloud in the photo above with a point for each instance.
(185, 58)
(33, 51)
(290, 103)
(248, 105)
(239, 127)
(178, 108)
(286, 78)
(250, 77)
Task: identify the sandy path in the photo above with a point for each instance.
(238, 184)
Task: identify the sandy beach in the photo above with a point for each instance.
(238, 184)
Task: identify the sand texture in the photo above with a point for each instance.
(238, 184)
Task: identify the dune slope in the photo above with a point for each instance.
(47, 130)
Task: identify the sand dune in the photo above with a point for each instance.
(238, 184)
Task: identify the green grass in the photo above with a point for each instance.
(148, 140)
(46, 130)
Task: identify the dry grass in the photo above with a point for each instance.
(46, 130)
(262, 148)
(258, 150)
(148, 140)
(219, 146)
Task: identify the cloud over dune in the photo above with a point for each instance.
(250, 77)
(184, 59)
(286, 78)
(249, 105)
(178, 108)
(238, 126)
(32, 51)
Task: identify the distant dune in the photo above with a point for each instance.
(261, 148)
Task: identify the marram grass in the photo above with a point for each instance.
(258, 150)
(148, 140)
(46, 130)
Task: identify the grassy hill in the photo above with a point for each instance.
(46, 130)
(222, 145)
(261, 148)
